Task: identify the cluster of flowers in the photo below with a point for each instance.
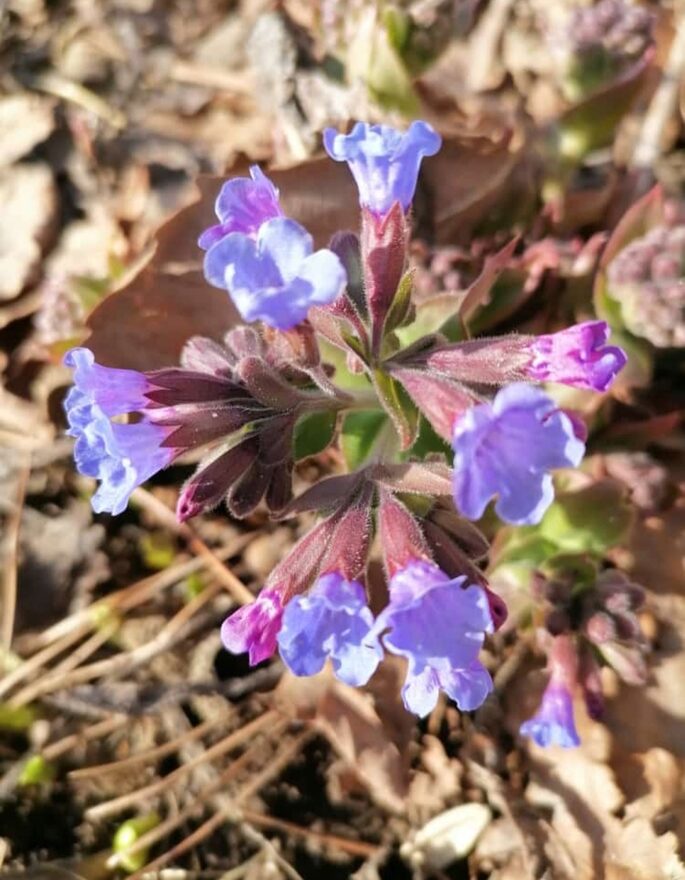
(646, 278)
(242, 400)
(599, 42)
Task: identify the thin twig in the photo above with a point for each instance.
(95, 731)
(9, 580)
(42, 657)
(196, 545)
(353, 847)
(149, 756)
(121, 663)
(231, 742)
(199, 801)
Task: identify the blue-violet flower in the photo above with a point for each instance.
(553, 724)
(120, 456)
(242, 205)
(331, 620)
(277, 277)
(439, 625)
(384, 162)
(577, 356)
(506, 449)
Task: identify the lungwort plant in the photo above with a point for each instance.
(434, 427)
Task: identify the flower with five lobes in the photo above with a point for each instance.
(265, 260)
(577, 356)
(438, 624)
(331, 621)
(276, 277)
(121, 457)
(384, 162)
(507, 449)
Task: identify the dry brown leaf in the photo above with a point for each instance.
(583, 796)
(654, 716)
(29, 210)
(25, 121)
(636, 852)
(348, 720)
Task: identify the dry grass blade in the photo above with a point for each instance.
(122, 600)
(195, 544)
(233, 741)
(352, 847)
(230, 811)
(95, 731)
(9, 580)
(121, 663)
(200, 801)
(150, 755)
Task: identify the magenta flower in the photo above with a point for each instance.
(439, 625)
(384, 162)
(553, 724)
(506, 449)
(577, 356)
(242, 205)
(277, 277)
(331, 620)
(254, 628)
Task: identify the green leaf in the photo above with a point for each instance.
(399, 407)
(523, 547)
(400, 308)
(355, 344)
(427, 441)
(36, 770)
(313, 433)
(127, 835)
(157, 550)
(360, 433)
(373, 58)
(591, 520)
(16, 718)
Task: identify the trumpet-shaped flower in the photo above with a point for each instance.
(553, 724)
(331, 620)
(277, 277)
(439, 625)
(254, 628)
(577, 356)
(506, 449)
(120, 456)
(384, 162)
